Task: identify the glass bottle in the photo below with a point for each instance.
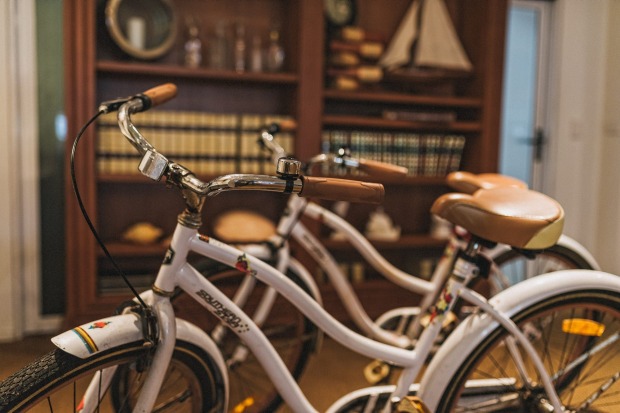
(218, 47)
(193, 45)
(240, 48)
(275, 52)
(256, 55)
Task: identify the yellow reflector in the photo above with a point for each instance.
(240, 408)
(582, 327)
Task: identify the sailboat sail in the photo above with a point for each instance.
(398, 52)
(437, 44)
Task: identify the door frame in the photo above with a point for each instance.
(540, 114)
(542, 118)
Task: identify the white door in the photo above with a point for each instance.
(523, 138)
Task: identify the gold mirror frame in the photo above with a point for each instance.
(154, 17)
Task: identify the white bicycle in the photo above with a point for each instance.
(295, 338)
(550, 343)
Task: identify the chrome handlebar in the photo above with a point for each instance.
(155, 165)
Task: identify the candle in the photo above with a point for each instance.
(136, 32)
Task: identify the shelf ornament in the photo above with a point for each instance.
(426, 44)
(381, 228)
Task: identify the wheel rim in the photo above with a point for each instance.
(584, 368)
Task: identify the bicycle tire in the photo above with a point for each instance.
(515, 267)
(193, 380)
(293, 336)
(558, 345)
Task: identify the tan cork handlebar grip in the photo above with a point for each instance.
(161, 94)
(287, 125)
(336, 189)
(378, 169)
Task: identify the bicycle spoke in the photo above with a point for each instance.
(584, 357)
(178, 399)
(492, 405)
(594, 397)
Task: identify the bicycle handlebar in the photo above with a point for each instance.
(155, 165)
(376, 169)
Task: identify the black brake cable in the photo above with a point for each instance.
(85, 213)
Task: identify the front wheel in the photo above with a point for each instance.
(577, 336)
(57, 382)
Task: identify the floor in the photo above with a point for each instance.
(15, 355)
(322, 382)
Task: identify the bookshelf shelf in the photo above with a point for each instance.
(125, 249)
(348, 121)
(409, 181)
(136, 178)
(402, 98)
(179, 72)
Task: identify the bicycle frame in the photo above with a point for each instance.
(176, 271)
(290, 224)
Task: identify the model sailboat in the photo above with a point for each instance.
(425, 43)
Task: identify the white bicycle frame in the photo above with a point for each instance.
(177, 272)
(428, 289)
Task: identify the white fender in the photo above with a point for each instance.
(468, 335)
(564, 241)
(101, 335)
(106, 333)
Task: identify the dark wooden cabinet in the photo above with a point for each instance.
(96, 70)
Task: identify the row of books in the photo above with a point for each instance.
(206, 143)
(422, 154)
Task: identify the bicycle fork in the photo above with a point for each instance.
(157, 364)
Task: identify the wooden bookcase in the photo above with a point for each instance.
(97, 70)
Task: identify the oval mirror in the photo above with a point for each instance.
(145, 29)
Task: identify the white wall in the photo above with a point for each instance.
(10, 235)
(19, 169)
(577, 102)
